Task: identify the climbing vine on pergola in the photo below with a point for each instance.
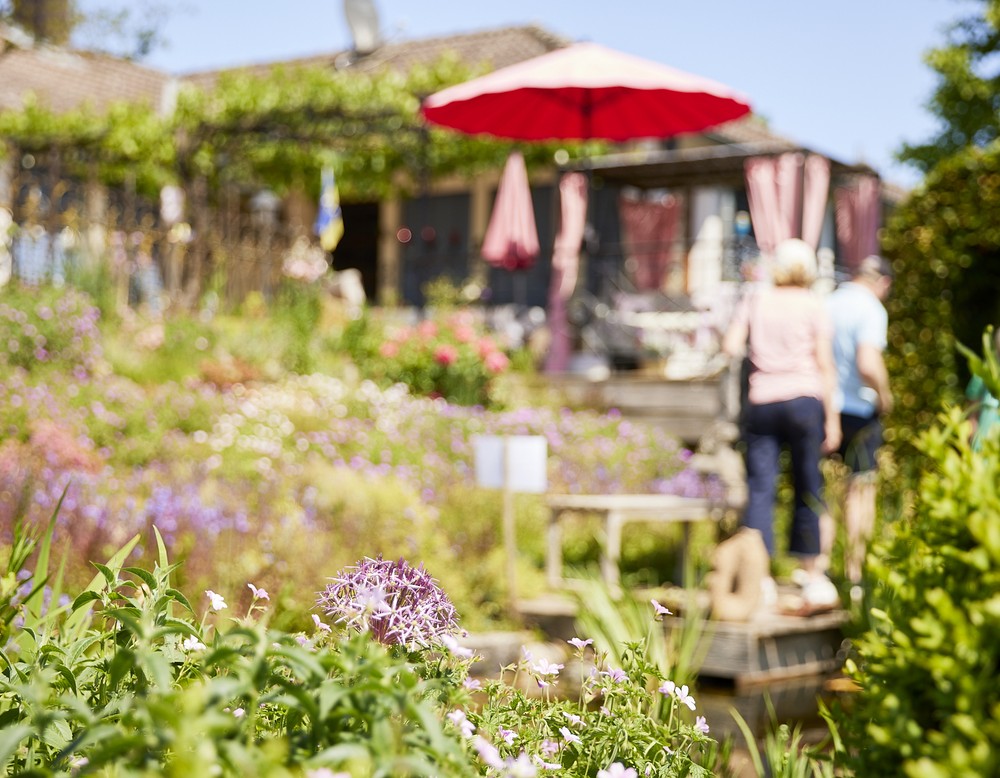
(274, 130)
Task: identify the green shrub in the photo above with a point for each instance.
(928, 668)
(134, 679)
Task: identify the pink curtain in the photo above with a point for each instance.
(815, 193)
(565, 265)
(858, 210)
(788, 195)
(511, 239)
(648, 229)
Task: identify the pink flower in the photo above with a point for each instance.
(464, 334)
(427, 329)
(496, 362)
(485, 347)
(445, 355)
(389, 349)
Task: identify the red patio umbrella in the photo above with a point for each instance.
(583, 92)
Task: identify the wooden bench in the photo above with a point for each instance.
(616, 510)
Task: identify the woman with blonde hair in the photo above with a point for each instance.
(787, 335)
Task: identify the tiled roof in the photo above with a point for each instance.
(495, 48)
(62, 79)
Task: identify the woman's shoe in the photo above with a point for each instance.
(820, 595)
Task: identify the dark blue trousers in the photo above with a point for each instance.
(797, 424)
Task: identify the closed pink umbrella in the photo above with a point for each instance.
(565, 264)
(511, 240)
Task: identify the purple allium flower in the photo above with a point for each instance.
(399, 604)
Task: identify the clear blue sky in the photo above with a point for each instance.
(845, 78)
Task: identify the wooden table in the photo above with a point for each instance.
(616, 510)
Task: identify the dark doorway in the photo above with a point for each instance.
(359, 246)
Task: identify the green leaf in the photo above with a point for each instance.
(77, 619)
(109, 576)
(10, 740)
(144, 575)
(161, 549)
(179, 597)
(83, 598)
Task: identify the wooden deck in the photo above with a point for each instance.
(770, 649)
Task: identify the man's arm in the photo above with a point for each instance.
(871, 368)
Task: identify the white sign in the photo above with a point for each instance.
(526, 463)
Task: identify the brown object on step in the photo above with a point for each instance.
(739, 564)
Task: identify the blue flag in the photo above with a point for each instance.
(330, 220)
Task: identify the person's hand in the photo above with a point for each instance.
(832, 435)
(885, 403)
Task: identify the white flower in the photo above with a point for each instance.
(545, 765)
(488, 752)
(574, 719)
(457, 717)
(454, 648)
(508, 735)
(544, 667)
(522, 767)
(685, 698)
(659, 610)
(472, 684)
(258, 594)
(568, 736)
(667, 687)
(617, 770)
(320, 625)
(701, 725)
(239, 713)
(192, 644)
(580, 644)
(217, 602)
(325, 772)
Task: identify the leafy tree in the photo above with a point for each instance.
(131, 30)
(967, 98)
(945, 245)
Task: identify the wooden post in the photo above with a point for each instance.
(509, 531)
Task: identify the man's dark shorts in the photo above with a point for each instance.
(862, 437)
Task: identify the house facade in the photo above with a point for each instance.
(695, 188)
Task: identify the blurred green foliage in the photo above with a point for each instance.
(927, 668)
(944, 242)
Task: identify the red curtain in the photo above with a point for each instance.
(648, 230)
(858, 208)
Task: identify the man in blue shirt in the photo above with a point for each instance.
(860, 327)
